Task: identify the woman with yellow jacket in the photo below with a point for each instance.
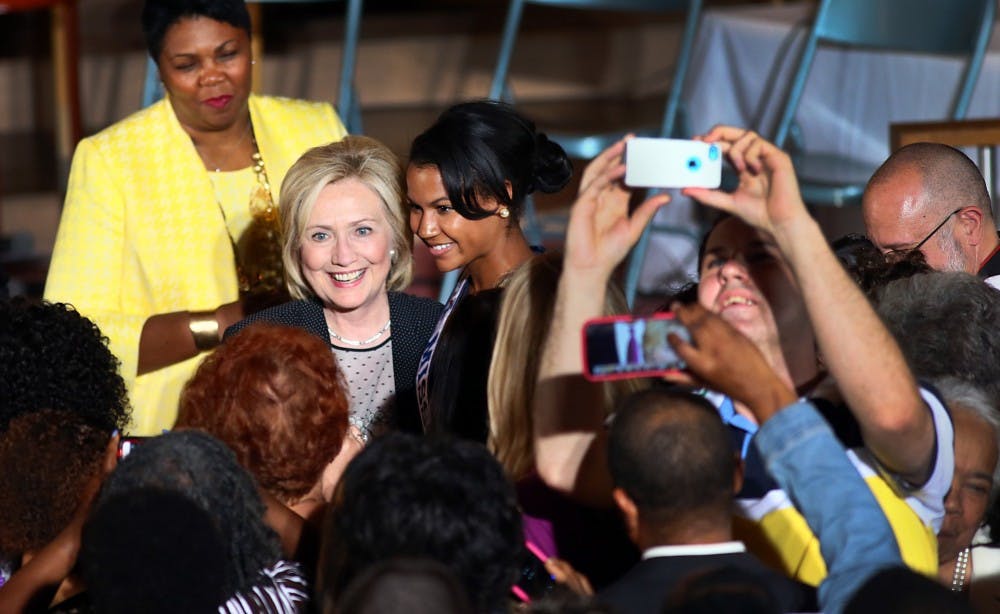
(169, 231)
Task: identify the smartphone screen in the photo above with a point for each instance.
(672, 163)
(534, 581)
(620, 347)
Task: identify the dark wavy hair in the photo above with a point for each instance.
(481, 147)
(275, 396)
(443, 499)
(159, 15)
(204, 470)
(48, 458)
(51, 357)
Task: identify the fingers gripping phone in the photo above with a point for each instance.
(672, 163)
(620, 347)
(534, 581)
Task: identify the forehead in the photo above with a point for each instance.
(423, 182)
(348, 198)
(733, 235)
(893, 202)
(188, 33)
(975, 441)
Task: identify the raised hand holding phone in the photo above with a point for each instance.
(672, 163)
(767, 196)
(620, 347)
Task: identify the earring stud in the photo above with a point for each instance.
(504, 212)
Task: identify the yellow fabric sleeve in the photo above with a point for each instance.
(141, 233)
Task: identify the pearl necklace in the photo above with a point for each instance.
(371, 339)
(961, 571)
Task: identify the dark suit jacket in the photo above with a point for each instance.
(413, 321)
(646, 586)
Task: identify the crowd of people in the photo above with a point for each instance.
(228, 402)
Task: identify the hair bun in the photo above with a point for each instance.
(552, 168)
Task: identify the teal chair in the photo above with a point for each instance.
(586, 146)
(953, 27)
(348, 104)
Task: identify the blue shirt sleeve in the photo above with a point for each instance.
(803, 455)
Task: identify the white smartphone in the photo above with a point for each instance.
(672, 163)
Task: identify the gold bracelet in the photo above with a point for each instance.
(204, 329)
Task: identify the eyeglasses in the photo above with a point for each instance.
(896, 253)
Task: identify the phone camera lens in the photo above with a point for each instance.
(694, 163)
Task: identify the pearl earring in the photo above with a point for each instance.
(504, 212)
(392, 255)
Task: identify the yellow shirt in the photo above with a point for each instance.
(141, 232)
(776, 532)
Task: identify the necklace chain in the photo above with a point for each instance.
(258, 265)
(230, 151)
(961, 571)
(371, 339)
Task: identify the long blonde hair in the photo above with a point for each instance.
(525, 319)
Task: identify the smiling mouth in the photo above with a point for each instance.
(738, 300)
(348, 277)
(440, 248)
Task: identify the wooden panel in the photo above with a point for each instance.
(961, 133)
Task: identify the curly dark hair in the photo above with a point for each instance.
(204, 470)
(431, 497)
(51, 357)
(48, 457)
(275, 396)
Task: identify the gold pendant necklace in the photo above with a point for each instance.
(257, 253)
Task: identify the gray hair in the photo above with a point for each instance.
(948, 325)
(963, 396)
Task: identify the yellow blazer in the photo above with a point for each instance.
(141, 233)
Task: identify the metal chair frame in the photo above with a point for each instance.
(589, 145)
(959, 27)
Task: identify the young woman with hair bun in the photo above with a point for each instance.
(468, 177)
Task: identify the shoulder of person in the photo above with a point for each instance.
(134, 128)
(280, 105)
(299, 313)
(415, 305)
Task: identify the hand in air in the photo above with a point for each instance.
(768, 194)
(723, 359)
(601, 232)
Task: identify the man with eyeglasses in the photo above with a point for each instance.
(931, 197)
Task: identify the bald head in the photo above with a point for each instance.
(920, 187)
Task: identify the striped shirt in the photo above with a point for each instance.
(281, 589)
